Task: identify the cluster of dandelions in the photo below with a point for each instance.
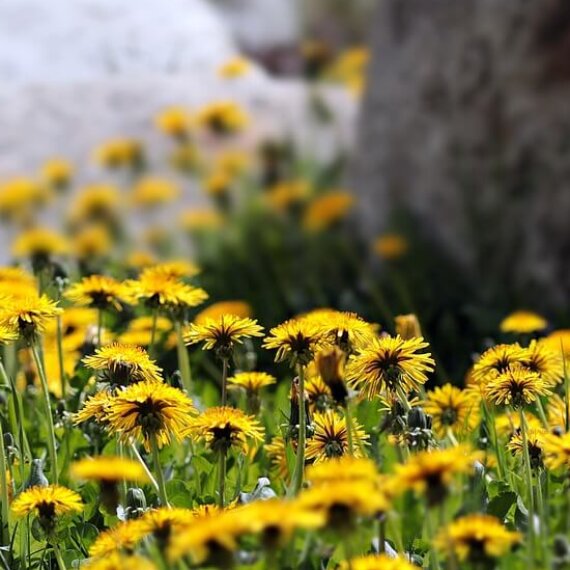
(355, 464)
(141, 428)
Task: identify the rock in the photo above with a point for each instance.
(467, 126)
(85, 40)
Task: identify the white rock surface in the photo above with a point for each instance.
(63, 41)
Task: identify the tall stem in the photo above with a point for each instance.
(528, 473)
(51, 431)
(221, 478)
(224, 381)
(159, 473)
(5, 534)
(59, 559)
(299, 471)
(183, 359)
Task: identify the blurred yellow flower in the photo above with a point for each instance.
(151, 191)
(176, 122)
(214, 311)
(408, 326)
(91, 242)
(199, 220)
(284, 195)
(21, 197)
(217, 183)
(39, 242)
(223, 117)
(57, 172)
(96, 203)
(523, 322)
(237, 66)
(120, 153)
(325, 211)
(390, 246)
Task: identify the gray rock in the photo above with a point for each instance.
(467, 125)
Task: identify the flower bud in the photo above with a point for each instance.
(408, 326)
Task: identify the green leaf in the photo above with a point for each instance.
(500, 505)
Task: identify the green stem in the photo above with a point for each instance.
(51, 430)
(183, 358)
(433, 558)
(16, 413)
(59, 559)
(382, 535)
(221, 478)
(4, 491)
(159, 473)
(298, 473)
(528, 473)
(490, 419)
(224, 381)
(145, 467)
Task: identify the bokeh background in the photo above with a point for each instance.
(388, 156)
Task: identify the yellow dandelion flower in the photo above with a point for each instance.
(276, 520)
(122, 538)
(559, 341)
(389, 363)
(20, 198)
(177, 268)
(391, 246)
(57, 172)
(117, 561)
(91, 242)
(186, 158)
(252, 381)
(218, 183)
(288, 194)
(432, 472)
(327, 210)
(523, 322)
(39, 243)
(557, 451)
(296, 340)
(28, 316)
(343, 502)
(165, 522)
(140, 259)
(120, 153)
(96, 203)
(139, 331)
(276, 451)
(452, 409)
(47, 504)
(330, 437)
(318, 394)
(97, 291)
(222, 334)
(377, 562)
(347, 469)
(215, 311)
(223, 117)
(234, 162)
(156, 287)
(107, 469)
(516, 386)
(148, 411)
(408, 326)
(176, 122)
(199, 220)
(121, 364)
(508, 424)
(223, 428)
(497, 360)
(556, 413)
(210, 539)
(95, 408)
(237, 66)
(150, 192)
(547, 363)
(476, 538)
(535, 445)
